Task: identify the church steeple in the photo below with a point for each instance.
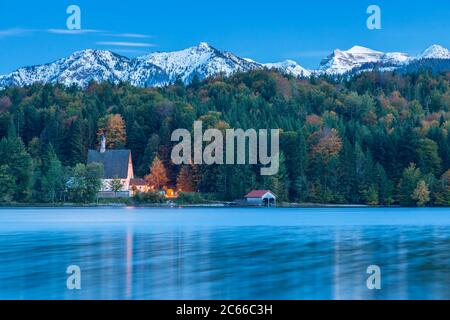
(103, 144)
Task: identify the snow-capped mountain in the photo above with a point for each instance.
(202, 60)
(342, 62)
(79, 68)
(289, 67)
(435, 52)
(163, 68)
(155, 69)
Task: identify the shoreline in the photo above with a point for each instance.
(199, 205)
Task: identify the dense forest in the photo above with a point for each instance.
(377, 138)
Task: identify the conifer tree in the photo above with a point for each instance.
(75, 148)
(185, 180)
(52, 175)
(408, 184)
(15, 156)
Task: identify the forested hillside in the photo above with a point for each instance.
(378, 138)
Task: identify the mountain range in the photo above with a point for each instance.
(204, 61)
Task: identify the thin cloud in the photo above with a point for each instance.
(130, 35)
(126, 44)
(14, 32)
(76, 32)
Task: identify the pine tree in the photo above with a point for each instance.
(75, 149)
(428, 157)
(15, 156)
(52, 175)
(293, 146)
(241, 180)
(278, 183)
(136, 142)
(408, 183)
(150, 153)
(7, 184)
(384, 185)
(441, 190)
(185, 180)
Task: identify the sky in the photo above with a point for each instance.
(35, 32)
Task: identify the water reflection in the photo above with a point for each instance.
(129, 262)
(238, 262)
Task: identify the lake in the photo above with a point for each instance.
(225, 253)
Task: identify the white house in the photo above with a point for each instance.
(261, 198)
(117, 164)
(139, 185)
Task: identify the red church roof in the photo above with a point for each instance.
(257, 193)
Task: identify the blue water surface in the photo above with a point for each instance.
(224, 253)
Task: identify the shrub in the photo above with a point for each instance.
(149, 197)
(190, 198)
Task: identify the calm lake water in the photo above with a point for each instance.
(222, 253)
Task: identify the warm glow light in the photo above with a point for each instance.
(171, 194)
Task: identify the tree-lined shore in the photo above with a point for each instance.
(375, 139)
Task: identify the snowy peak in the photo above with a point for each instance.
(204, 45)
(289, 67)
(358, 50)
(79, 68)
(435, 52)
(202, 61)
(155, 69)
(87, 65)
(341, 62)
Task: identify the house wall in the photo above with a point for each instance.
(268, 196)
(111, 194)
(259, 201)
(254, 201)
(139, 189)
(106, 184)
(130, 170)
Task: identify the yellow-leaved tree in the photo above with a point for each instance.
(113, 127)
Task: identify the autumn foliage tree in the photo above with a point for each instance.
(345, 141)
(328, 144)
(113, 127)
(158, 176)
(421, 194)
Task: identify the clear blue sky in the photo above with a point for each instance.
(32, 32)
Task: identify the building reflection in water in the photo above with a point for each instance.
(129, 263)
(141, 262)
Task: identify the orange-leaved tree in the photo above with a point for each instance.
(158, 176)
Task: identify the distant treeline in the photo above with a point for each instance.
(378, 138)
